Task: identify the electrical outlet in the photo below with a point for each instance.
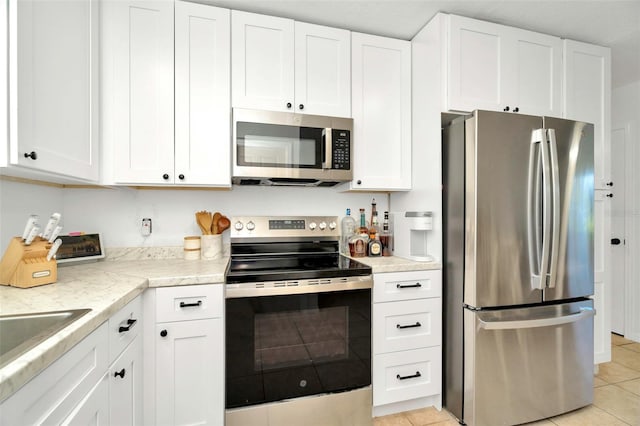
(146, 227)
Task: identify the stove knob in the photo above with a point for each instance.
(332, 225)
(312, 226)
(322, 226)
(251, 226)
(238, 226)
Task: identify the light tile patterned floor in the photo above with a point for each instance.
(616, 397)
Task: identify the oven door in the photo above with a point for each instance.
(285, 346)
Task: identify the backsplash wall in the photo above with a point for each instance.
(117, 213)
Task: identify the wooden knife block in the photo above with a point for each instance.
(26, 266)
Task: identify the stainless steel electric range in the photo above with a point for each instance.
(298, 322)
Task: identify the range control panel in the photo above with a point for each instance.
(281, 226)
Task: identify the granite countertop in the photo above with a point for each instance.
(104, 287)
(107, 286)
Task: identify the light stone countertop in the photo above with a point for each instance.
(107, 286)
(104, 287)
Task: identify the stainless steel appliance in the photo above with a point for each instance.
(298, 322)
(283, 148)
(518, 267)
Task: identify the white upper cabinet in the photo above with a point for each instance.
(282, 65)
(202, 95)
(141, 67)
(138, 91)
(53, 87)
(501, 68)
(587, 97)
(381, 101)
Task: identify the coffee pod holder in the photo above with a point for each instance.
(27, 266)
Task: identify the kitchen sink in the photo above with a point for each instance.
(19, 333)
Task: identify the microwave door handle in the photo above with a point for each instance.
(327, 145)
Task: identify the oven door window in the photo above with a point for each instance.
(281, 347)
(270, 145)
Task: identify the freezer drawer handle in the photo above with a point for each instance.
(543, 322)
(417, 324)
(190, 305)
(416, 285)
(399, 377)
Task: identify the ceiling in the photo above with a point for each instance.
(613, 23)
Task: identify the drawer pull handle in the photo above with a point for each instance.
(130, 323)
(399, 377)
(190, 305)
(119, 373)
(417, 324)
(416, 285)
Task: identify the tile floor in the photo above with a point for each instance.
(616, 397)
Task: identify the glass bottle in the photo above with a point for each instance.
(386, 237)
(375, 246)
(347, 228)
(358, 243)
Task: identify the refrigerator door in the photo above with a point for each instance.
(527, 364)
(497, 265)
(571, 259)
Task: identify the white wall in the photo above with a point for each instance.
(18, 201)
(118, 213)
(625, 114)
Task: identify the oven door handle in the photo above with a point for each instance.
(319, 285)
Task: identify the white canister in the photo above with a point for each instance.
(191, 254)
(211, 246)
(192, 242)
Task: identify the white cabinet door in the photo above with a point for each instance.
(535, 73)
(476, 65)
(94, 408)
(137, 90)
(587, 97)
(381, 107)
(202, 95)
(190, 372)
(262, 62)
(501, 68)
(602, 276)
(54, 86)
(125, 387)
(322, 70)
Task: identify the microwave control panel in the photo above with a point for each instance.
(341, 150)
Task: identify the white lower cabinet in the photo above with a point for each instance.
(81, 387)
(187, 346)
(407, 339)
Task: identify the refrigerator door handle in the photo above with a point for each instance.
(538, 280)
(584, 313)
(555, 187)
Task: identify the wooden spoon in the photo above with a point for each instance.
(204, 219)
(223, 224)
(215, 223)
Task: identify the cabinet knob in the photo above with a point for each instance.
(359, 182)
(615, 241)
(289, 105)
(163, 333)
(119, 373)
(165, 176)
(301, 106)
(516, 109)
(181, 176)
(609, 183)
(506, 109)
(31, 155)
(610, 195)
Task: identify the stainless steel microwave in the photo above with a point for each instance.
(283, 148)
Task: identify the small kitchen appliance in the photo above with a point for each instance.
(298, 323)
(412, 230)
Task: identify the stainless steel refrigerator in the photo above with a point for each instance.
(518, 267)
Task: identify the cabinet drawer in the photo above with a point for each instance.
(124, 326)
(411, 324)
(406, 375)
(189, 302)
(394, 286)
